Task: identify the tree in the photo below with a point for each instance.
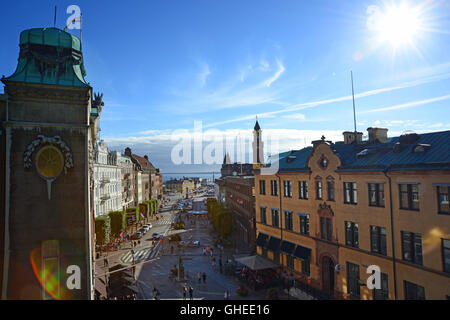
(102, 229)
(118, 221)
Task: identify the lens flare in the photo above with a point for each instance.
(48, 274)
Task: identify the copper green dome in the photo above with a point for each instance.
(50, 56)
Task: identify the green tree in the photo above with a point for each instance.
(102, 229)
(118, 221)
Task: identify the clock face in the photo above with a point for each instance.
(49, 162)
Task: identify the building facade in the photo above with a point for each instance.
(107, 181)
(335, 209)
(46, 139)
(240, 199)
(128, 172)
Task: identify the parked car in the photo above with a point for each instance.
(143, 230)
(137, 235)
(156, 236)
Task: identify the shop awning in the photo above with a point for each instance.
(287, 247)
(303, 253)
(256, 262)
(274, 244)
(261, 241)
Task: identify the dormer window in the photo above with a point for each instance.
(323, 162)
(421, 148)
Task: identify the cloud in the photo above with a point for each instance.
(277, 74)
(312, 104)
(409, 104)
(204, 74)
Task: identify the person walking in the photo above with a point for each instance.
(105, 261)
(191, 293)
(204, 277)
(184, 292)
(199, 276)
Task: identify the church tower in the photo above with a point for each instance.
(257, 145)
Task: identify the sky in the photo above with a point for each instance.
(167, 67)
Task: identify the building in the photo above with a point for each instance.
(158, 185)
(48, 127)
(180, 185)
(334, 209)
(240, 199)
(129, 174)
(107, 180)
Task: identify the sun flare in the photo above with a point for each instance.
(398, 25)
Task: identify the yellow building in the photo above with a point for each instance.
(334, 209)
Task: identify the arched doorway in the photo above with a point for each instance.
(327, 274)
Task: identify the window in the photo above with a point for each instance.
(276, 257)
(287, 189)
(353, 288)
(414, 291)
(446, 254)
(376, 194)
(273, 188)
(443, 205)
(275, 217)
(412, 247)
(306, 267)
(288, 220)
(319, 190)
(325, 228)
(303, 190)
(290, 262)
(330, 187)
(351, 234)
(350, 193)
(262, 187)
(304, 224)
(383, 293)
(378, 240)
(263, 215)
(409, 196)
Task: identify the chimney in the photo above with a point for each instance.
(146, 157)
(128, 152)
(377, 135)
(349, 137)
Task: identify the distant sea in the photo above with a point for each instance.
(203, 175)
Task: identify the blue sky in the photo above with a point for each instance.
(164, 64)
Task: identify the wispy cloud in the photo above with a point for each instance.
(409, 104)
(312, 104)
(204, 74)
(277, 74)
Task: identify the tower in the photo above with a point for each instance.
(46, 117)
(257, 145)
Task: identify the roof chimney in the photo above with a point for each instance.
(349, 137)
(377, 135)
(146, 157)
(128, 151)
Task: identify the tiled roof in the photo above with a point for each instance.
(145, 164)
(395, 153)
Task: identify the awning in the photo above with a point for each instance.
(274, 244)
(261, 241)
(256, 262)
(287, 247)
(302, 253)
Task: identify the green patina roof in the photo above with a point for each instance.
(50, 56)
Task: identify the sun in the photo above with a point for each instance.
(397, 25)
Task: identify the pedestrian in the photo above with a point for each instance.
(154, 292)
(199, 276)
(191, 293)
(204, 277)
(184, 292)
(139, 242)
(105, 261)
(226, 294)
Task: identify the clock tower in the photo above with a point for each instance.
(47, 116)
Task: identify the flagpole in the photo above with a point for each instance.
(54, 20)
(81, 24)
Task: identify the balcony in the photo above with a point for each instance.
(105, 180)
(105, 197)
